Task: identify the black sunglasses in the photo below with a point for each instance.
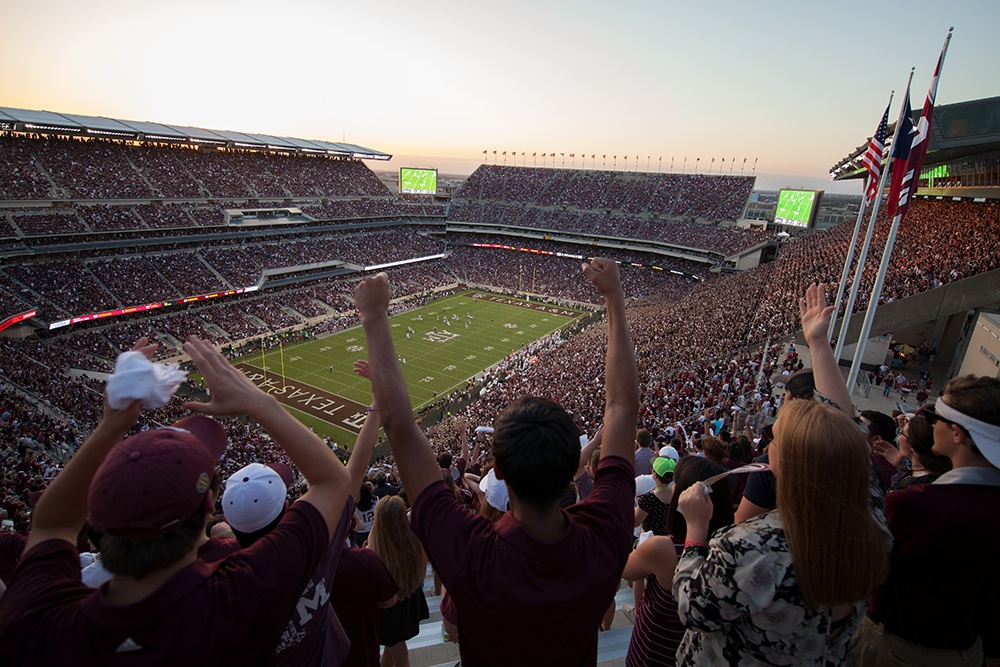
(933, 417)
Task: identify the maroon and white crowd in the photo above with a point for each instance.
(699, 345)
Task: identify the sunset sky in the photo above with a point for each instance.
(794, 84)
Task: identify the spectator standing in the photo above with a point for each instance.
(924, 620)
(644, 453)
(395, 544)
(782, 587)
(510, 579)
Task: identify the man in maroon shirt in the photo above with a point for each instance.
(533, 587)
(938, 605)
(254, 501)
(149, 495)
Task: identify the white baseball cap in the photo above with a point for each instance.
(669, 452)
(495, 491)
(254, 497)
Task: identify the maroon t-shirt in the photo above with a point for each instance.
(520, 600)
(942, 588)
(231, 612)
(361, 583)
(11, 546)
(313, 635)
(215, 549)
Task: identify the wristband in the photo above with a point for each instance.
(371, 409)
(692, 543)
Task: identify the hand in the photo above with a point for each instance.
(889, 452)
(148, 349)
(696, 506)
(815, 314)
(604, 274)
(361, 368)
(371, 296)
(122, 420)
(232, 392)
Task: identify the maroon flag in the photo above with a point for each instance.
(921, 138)
(873, 158)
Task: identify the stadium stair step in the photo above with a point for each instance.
(428, 648)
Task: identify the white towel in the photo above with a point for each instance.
(138, 378)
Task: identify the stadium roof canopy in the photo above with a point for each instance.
(960, 130)
(49, 122)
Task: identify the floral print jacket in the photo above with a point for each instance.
(741, 605)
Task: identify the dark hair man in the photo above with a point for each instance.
(535, 585)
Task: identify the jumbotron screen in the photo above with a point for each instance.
(797, 207)
(417, 181)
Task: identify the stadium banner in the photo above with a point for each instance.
(404, 262)
(331, 408)
(20, 317)
(146, 306)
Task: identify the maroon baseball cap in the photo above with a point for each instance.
(152, 482)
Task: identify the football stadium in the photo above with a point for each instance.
(113, 229)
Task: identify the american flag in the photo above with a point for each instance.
(921, 139)
(873, 158)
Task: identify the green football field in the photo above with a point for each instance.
(443, 343)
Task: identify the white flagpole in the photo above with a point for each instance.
(883, 267)
(863, 257)
(850, 249)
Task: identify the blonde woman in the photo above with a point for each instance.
(393, 541)
(792, 585)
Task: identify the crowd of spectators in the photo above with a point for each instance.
(92, 169)
(699, 344)
(684, 197)
(722, 240)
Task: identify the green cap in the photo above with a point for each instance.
(663, 466)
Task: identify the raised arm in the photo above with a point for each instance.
(463, 435)
(588, 450)
(621, 378)
(234, 394)
(477, 449)
(815, 315)
(410, 448)
(63, 507)
(361, 455)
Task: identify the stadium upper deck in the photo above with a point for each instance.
(75, 125)
(963, 157)
(679, 212)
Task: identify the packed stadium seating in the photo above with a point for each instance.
(699, 342)
(659, 207)
(59, 168)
